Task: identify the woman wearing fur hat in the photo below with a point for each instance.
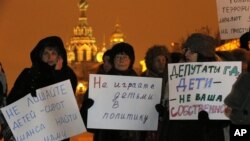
(49, 66)
(198, 48)
(122, 59)
(156, 59)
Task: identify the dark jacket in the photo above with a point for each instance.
(239, 100)
(41, 74)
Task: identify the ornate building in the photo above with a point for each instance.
(84, 57)
(82, 46)
(117, 36)
(82, 50)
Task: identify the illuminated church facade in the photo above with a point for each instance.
(83, 54)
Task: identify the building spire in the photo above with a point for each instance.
(117, 35)
(82, 46)
(83, 6)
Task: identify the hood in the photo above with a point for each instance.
(151, 54)
(35, 54)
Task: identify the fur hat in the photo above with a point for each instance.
(201, 44)
(120, 48)
(244, 40)
(153, 52)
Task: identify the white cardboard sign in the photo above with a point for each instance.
(124, 102)
(194, 87)
(233, 18)
(52, 115)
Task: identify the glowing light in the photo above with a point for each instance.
(229, 45)
(81, 88)
(99, 57)
(143, 65)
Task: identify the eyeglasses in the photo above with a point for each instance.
(121, 57)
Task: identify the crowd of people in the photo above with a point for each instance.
(49, 66)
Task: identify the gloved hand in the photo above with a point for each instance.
(160, 109)
(203, 116)
(89, 102)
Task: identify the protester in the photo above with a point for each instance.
(3, 86)
(49, 66)
(122, 59)
(238, 101)
(106, 66)
(245, 41)
(156, 59)
(198, 48)
(3, 94)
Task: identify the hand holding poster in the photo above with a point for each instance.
(233, 18)
(51, 116)
(194, 87)
(124, 102)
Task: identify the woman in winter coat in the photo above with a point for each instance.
(49, 66)
(198, 48)
(122, 59)
(156, 59)
(238, 101)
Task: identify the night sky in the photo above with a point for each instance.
(144, 22)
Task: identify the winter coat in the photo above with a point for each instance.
(41, 74)
(239, 100)
(103, 134)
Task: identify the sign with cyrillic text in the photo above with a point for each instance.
(123, 102)
(51, 116)
(233, 18)
(201, 86)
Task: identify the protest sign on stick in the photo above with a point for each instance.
(52, 115)
(194, 87)
(124, 102)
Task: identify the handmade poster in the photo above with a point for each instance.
(51, 116)
(233, 18)
(123, 102)
(200, 86)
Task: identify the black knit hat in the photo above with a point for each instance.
(120, 48)
(202, 44)
(244, 40)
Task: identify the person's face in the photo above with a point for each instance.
(159, 63)
(244, 66)
(191, 56)
(122, 62)
(106, 63)
(50, 56)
